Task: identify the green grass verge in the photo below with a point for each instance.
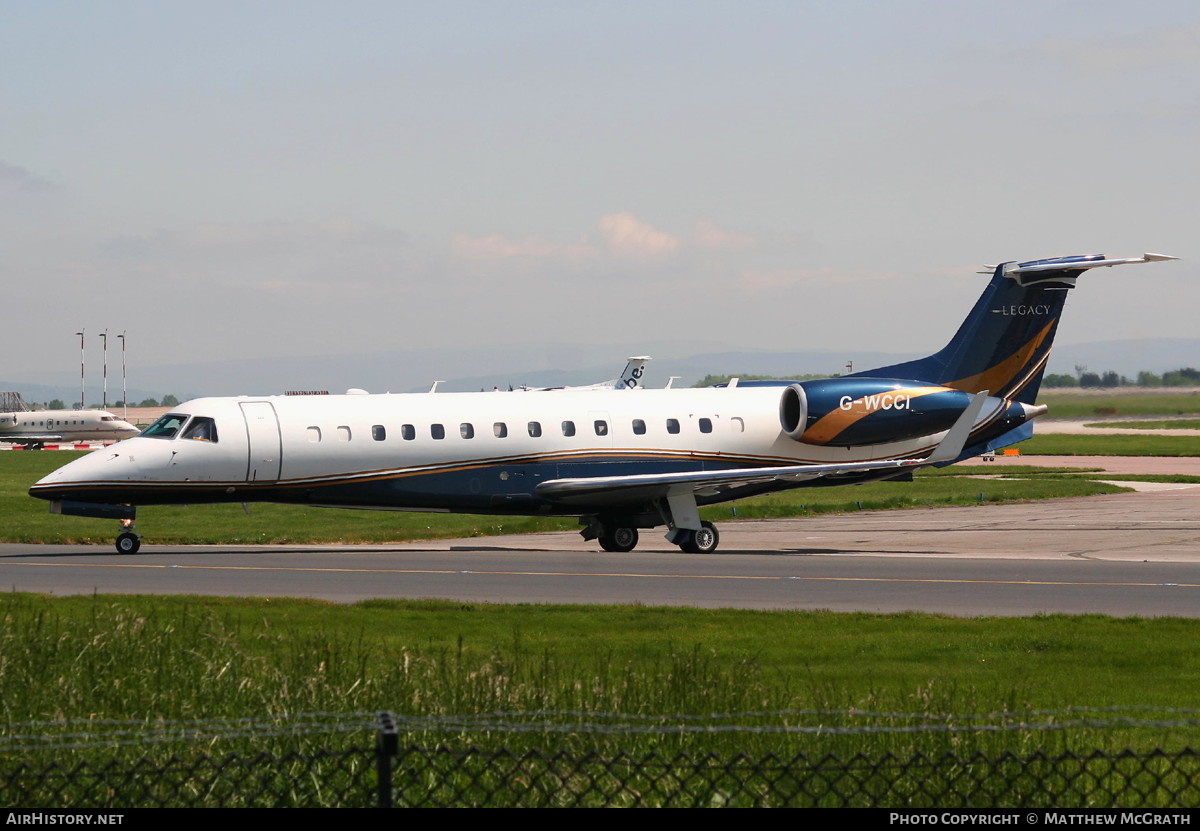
(29, 520)
(93, 658)
(1169, 424)
(1065, 444)
(988, 469)
(1067, 405)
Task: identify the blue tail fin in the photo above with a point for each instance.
(1004, 343)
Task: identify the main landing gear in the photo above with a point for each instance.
(621, 539)
(702, 541)
(622, 536)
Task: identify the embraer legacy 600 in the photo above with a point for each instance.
(620, 460)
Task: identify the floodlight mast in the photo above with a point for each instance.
(81, 393)
(104, 352)
(124, 387)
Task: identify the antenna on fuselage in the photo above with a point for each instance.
(434, 387)
(671, 381)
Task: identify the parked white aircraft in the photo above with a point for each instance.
(617, 461)
(35, 428)
(630, 378)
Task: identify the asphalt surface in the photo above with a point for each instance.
(1125, 554)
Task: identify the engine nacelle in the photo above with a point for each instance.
(851, 412)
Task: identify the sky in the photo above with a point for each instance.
(228, 180)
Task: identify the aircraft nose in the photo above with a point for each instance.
(66, 482)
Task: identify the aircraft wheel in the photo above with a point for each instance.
(704, 541)
(620, 539)
(128, 543)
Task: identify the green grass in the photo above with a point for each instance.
(1065, 444)
(1082, 405)
(28, 520)
(178, 658)
(922, 492)
(1169, 424)
(81, 669)
(989, 469)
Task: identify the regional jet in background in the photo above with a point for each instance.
(618, 462)
(630, 379)
(36, 428)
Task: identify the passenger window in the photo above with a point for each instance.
(201, 429)
(408, 432)
(437, 431)
(314, 434)
(639, 427)
(705, 425)
(568, 428)
(672, 425)
(343, 433)
(500, 429)
(535, 429)
(466, 430)
(378, 432)
(601, 427)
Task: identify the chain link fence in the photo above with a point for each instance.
(357, 760)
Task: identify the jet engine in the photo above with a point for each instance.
(851, 412)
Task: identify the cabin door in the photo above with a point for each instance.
(266, 449)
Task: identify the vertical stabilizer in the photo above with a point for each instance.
(1004, 343)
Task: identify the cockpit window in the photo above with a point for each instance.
(201, 428)
(166, 427)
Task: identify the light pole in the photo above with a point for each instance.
(124, 388)
(104, 399)
(80, 333)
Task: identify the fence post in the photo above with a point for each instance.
(387, 746)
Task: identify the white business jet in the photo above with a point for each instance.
(36, 428)
(619, 462)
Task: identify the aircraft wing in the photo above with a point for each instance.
(24, 438)
(637, 487)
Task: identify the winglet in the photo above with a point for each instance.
(956, 438)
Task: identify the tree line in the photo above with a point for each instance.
(1186, 377)
(167, 401)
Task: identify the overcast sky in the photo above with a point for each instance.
(253, 179)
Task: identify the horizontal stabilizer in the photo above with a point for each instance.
(1083, 263)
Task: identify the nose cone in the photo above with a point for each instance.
(55, 485)
(80, 479)
(126, 429)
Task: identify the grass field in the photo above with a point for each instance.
(1079, 404)
(1166, 424)
(1069, 444)
(29, 520)
(96, 658)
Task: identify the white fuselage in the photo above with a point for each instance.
(450, 451)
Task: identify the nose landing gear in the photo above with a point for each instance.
(128, 541)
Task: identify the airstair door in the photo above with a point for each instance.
(266, 446)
